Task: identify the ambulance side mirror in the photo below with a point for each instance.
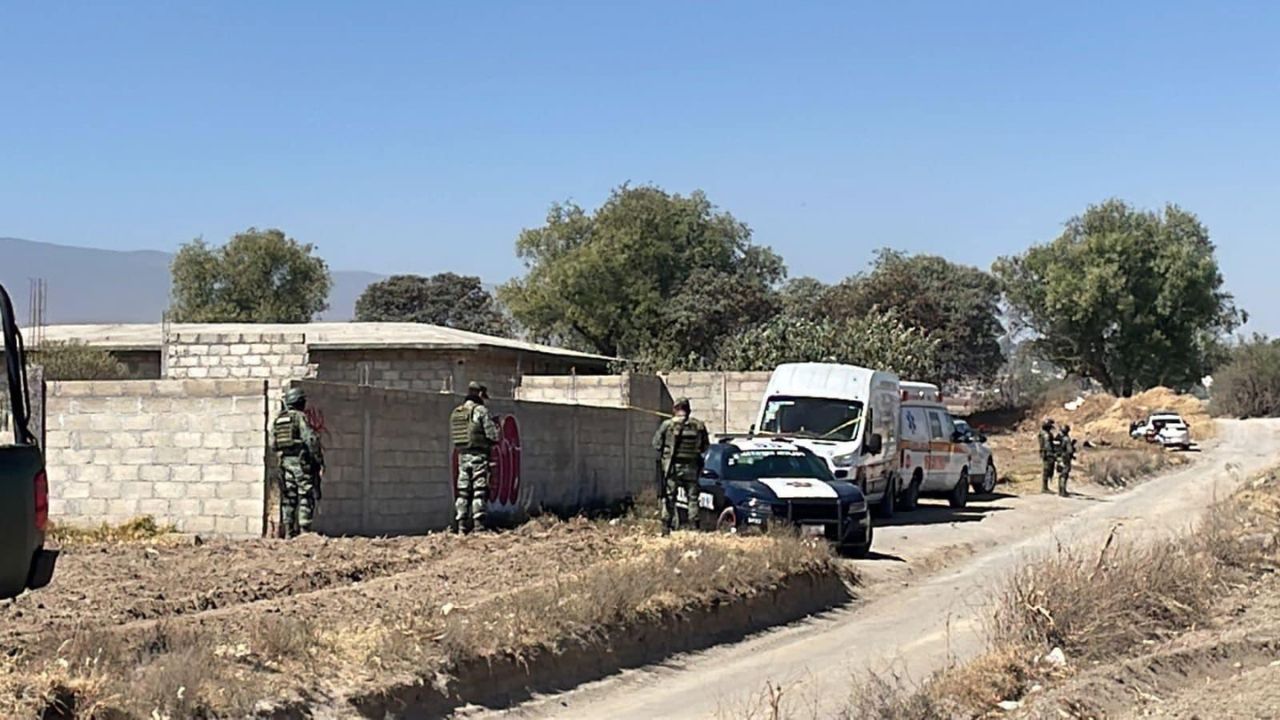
(875, 443)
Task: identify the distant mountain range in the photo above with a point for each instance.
(87, 285)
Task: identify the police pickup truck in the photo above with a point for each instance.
(749, 483)
(24, 489)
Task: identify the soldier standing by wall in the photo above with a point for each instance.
(1066, 455)
(301, 459)
(1048, 453)
(680, 442)
(474, 434)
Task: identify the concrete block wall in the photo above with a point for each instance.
(389, 459)
(426, 370)
(727, 402)
(275, 357)
(187, 452)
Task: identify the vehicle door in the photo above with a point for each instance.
(940, 472)
(959, 453)
(913, 441)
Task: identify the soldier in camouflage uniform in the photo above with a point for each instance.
(1048, 453)
(301, 459)
(680, 442)
(1066, 455)
(474, 434)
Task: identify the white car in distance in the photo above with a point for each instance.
(1164, 427)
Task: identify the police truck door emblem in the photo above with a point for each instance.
(798, 483)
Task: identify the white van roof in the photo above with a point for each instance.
(920, 392)
(832, 380)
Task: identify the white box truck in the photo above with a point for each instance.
(845, 414)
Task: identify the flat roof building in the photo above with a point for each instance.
(410, 356)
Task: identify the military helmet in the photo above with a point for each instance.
(474, 387)
(682, 404)
(1048, 422)
(294, 397)
(1066, 428)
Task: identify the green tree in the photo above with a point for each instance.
(1248, 384)
(447, 299)
(1130, 298)
(259, 276)
(879, 341)
(77, 361)
(805, 297)
(955, 304)
(648, 275)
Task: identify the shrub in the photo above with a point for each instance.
(77, 361)
(1249, 384)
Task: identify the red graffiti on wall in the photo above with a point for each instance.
(315, 418)
(504, 464)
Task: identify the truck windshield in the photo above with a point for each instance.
(756, 464)
(813, 417)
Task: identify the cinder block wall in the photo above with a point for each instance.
(389, 459)
(191, 453)
(275, 357)
(727, 402)
(437, 371)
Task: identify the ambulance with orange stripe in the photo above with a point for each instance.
(935, 458)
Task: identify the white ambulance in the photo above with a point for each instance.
(935, 459)
(845, 414)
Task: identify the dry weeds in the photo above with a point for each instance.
(1106, 605)
(136, 530)
(187, 667)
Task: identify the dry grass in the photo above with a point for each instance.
(139, 529)
(668, 575)
(1121, 467)
(1098, 606)
(185, 668)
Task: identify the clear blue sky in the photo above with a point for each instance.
(421, 137)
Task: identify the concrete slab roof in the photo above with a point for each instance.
(319, 335)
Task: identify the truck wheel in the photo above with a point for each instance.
(987, 483)
(727, 522)
(859, 550)
(886, 505)
(911, 496)
(959, 495)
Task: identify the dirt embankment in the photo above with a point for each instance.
(227, 629)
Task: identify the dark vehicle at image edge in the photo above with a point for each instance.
(24, 489)
(749, 483)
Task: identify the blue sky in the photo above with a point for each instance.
(421, 137)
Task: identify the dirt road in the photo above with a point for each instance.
(925, 596)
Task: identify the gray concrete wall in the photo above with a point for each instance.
(726, 401)
(191, 453)
(389, 460)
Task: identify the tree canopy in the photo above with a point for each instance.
(1130, 298)
(879, 341)
(77, 361)
(258, 276)
(448, 299)
(956, 305)
(648, 275)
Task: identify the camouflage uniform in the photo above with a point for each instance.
(1066, 454)
(301, 459)
(1048, 454)
(474, 434)
(680, 442)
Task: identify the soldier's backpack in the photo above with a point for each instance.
(684, 442)
(463, 430)
(286, 433)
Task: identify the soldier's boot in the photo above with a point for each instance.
(454, 527)
(288, 521)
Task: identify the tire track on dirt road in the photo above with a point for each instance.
(917, 629)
